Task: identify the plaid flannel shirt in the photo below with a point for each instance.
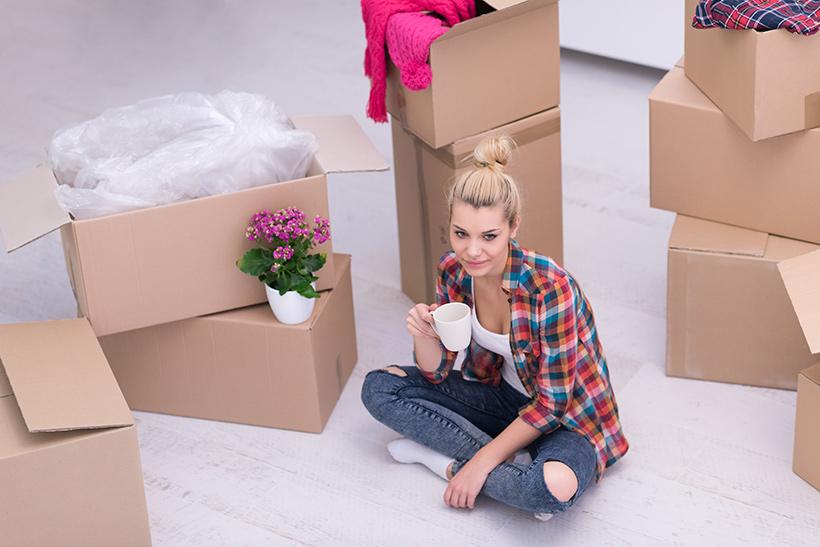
(797, 16)
(555, 348)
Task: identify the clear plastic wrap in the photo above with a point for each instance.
(174, 148)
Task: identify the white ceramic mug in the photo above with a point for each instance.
(453, 326)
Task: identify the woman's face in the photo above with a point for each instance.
(480, 238)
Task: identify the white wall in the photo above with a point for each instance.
(647, 32)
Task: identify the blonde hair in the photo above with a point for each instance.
(486, 184)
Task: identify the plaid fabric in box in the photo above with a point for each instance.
(797, 16)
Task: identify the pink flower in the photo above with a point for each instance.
(283, 253)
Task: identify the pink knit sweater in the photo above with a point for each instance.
(408, 38)
(375, 14)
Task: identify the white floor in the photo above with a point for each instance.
(710, 464)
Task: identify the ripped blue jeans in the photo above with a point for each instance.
(457, 417)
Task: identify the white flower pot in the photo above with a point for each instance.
(290, 308)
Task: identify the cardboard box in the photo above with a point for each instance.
(702, 165)
(501, 66)
(69, 456)
(765, 82)
(177, 261)
(243, 365)
(423, 175)
(807, 427)
(800, 276)
(729, 317)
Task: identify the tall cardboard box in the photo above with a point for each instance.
(69, 457)
(243, 365)
(177, 261)
(501, 66)
(703, 165)
(801, 275)
(424, 173)
(765, 82)
(729, 317)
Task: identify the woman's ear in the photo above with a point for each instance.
(514, 228)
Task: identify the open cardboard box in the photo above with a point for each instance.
(243, 365)
(765, 82)
(729, 318)
(703, 165)
(501, 66)
(69, 456)
(177, 261)
(801, 275)
(424, 173)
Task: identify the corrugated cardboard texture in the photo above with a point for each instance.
(807, 427)
(702, 165)
(243, 365)
(70, 488)
(511, 55)
(801, 275)
(60, 376)
(763, 81)
(31, 191)
(423, 175)
(729, 318)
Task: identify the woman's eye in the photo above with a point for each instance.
(490, 237)
(461, 234)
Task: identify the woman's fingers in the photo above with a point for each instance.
(420, 321)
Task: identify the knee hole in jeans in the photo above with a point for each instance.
(560, 480)
(395, 370)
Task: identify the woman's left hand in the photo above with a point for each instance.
(466, 484)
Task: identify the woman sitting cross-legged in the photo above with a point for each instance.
(530, 418)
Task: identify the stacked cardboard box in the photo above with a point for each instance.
(731, 147)
(497, 73)
(184, 332)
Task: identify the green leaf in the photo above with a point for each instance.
(255, 262)
(309, 292)
(314, 262)
(284, 283)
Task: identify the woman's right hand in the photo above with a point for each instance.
(420, 321)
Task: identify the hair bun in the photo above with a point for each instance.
(493, 152)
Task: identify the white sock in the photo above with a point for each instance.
(543, 516)
(407, 451)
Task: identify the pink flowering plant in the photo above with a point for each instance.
(281, 258)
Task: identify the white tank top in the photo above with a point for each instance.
(500, 344)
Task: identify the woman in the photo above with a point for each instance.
(530, 418)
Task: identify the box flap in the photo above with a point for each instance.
(694, 234)
(504, 9)
(5, 386)
(60, 376)
(343, 145)
(503, 4)
(28, 209)
(801, 275)
(812, 373)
